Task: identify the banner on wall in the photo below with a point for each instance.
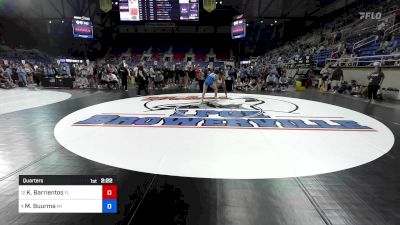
(209, 5)
(105, 5)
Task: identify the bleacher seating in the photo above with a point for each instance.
(322, 56)
(370, 49)
(358, 38)
(201, 53)
(179, 57)
(222, 53)
(33, 56)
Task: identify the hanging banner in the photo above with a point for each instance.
(209, 5)
(105, 5)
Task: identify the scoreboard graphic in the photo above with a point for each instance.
(67, 194)
(238, 28)
(159, 10)
(82, 27)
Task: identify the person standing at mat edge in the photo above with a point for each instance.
(336, 79)
(124, 74)
(325, 75)
(375, 81)
(213, 80)
(142, 81)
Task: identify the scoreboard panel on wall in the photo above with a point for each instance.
(159, 10)
(238, 28)
(82, 27)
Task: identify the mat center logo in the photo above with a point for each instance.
(244, 136)
(239, 112)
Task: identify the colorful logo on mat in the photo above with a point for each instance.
(236, 112)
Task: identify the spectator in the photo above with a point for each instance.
(396, 51)
(198, 73)
(105, 82)
(191, 75)
(37, 74)
(243, 75)
(325, 74)
(283, 81)
(394, 58)
(152, 75)
(383, 48)
(73, 70)
(29, 73)
(5, 81)
(113, 80)
(8, 72)
(142, 81)
(124, 74)
(337, 78)
(21, 75)
(375, 81)
(51, 71)
(159, 79)
(81, 82)
(272, 79)
(254, 72)
(182, 77)
(381, 26)
(232, 73)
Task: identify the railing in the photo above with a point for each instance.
(289, 65)
(391, 13)
(365, 26)
(392, 29)
(336, 49)
(346, 31)
(364, 61)
(365, 41)
(391, 16)
(385, 60)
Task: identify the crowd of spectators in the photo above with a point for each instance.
(119, 76)
(263, 73)
(338, 38)
(251, 77)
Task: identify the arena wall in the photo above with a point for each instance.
(392, 75)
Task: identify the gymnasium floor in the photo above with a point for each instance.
(367, 194)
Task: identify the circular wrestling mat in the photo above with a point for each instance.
(243, 137)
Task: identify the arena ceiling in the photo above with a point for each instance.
(276, 9)
(253, 9)
(44, 20)
(47, 9)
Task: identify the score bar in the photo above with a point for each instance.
(67, 194)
